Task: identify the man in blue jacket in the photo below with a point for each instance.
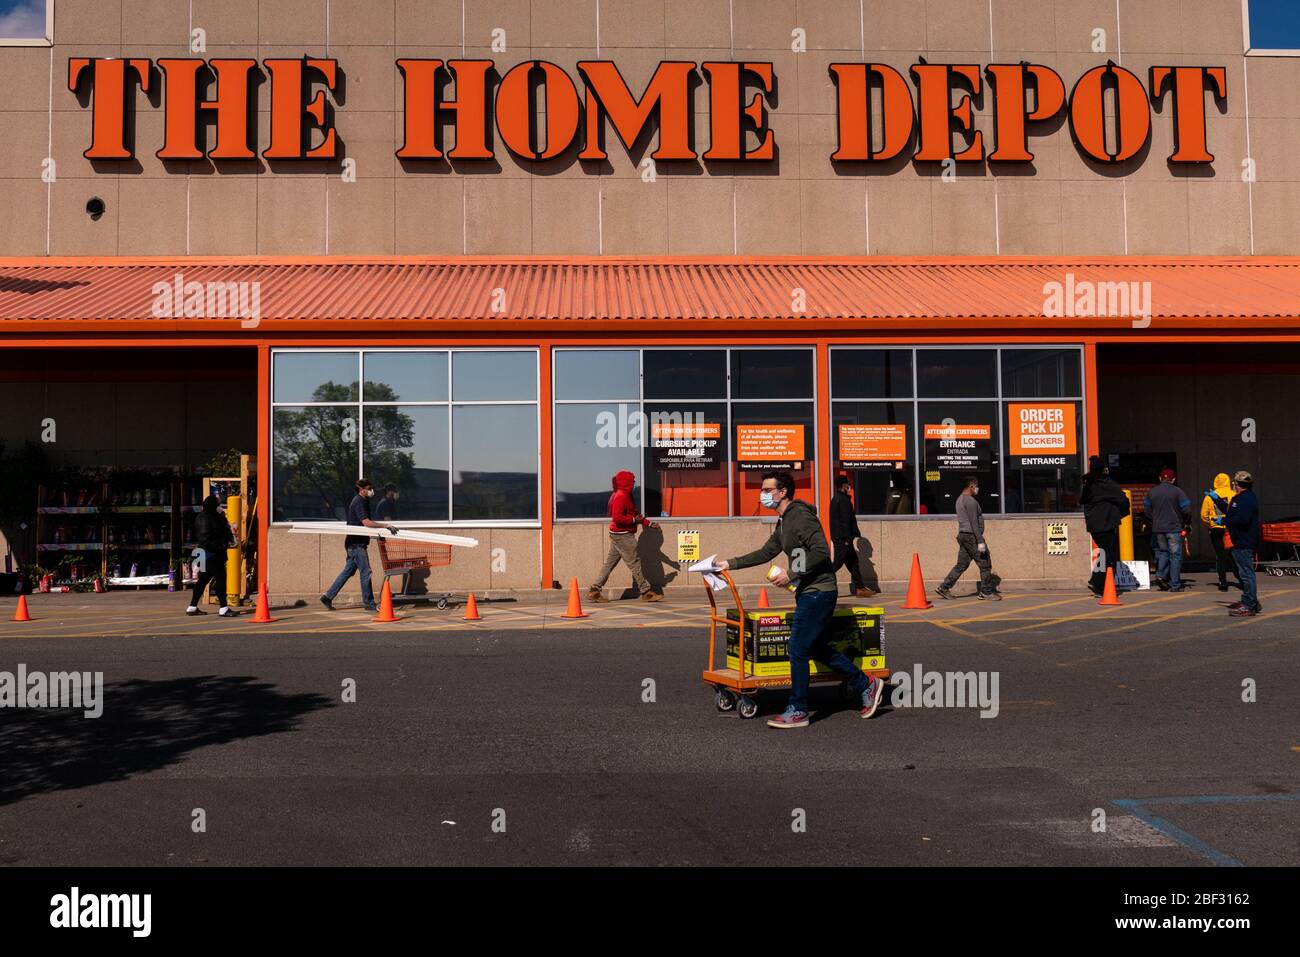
(1242, 521)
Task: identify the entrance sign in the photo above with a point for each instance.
(958, 448)
(542, 111)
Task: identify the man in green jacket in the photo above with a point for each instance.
(799, 534)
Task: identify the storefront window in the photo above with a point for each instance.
(316, 377)
(406, 376)
(593, 441)
(697, 426)
(1041, 373)
(315, 450)
(871, 373)
(406, 446)
(494, 453)
(956, 373)
(474, 459)
(873, 446)
(957, 439)
(597, 374)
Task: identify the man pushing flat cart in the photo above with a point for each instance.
(799, 534)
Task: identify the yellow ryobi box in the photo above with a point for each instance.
(857, 632)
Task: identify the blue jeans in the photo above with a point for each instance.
(1245, 559)
(1168, 547)
(358, 561)
(810, 639)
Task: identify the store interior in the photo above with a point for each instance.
(104, 455)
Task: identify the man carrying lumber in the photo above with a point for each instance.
(357, 549)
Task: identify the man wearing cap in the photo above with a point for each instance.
(1242, 521)
(1170, 512)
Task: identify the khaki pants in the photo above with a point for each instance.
(622, 546)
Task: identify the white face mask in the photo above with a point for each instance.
(767, 499)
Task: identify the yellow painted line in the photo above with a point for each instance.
(1235, 623)
(1085, 616)
(980, 638)
(1133, 623)
(1001, 614)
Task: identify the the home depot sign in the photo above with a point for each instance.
(540, 112)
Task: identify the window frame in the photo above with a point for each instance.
(1245, 38)
(727, 400)
(1000, 400)
(448, 404)
(45, 41)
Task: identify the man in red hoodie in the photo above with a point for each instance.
(623, 520)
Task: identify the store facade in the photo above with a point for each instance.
(690, 240)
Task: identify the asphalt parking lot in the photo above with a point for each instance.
(528, 739)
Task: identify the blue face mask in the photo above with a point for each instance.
(767, 499)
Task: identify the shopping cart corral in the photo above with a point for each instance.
(401, 557)
(1285, 539)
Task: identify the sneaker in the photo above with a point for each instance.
(596, 594)
(989, 596)
(943, 591)
(1181, 586)
(195, 611)
(1235, 604)
(227, 613)
(327, 602)
(865, 592)
(651, 596)
(871, 697)
(1223, 586)
(791, 718)
(1160, 583)
(374, 608)
(1243, 612)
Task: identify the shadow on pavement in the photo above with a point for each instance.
(146, 725)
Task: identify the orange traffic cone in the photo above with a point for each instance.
(471, 609)
(263, 613)
(575, 602)
(386, 605)
(20, 613)
(916, 587)
(762, 599)
(1108, 595)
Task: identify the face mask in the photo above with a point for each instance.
(767, 499)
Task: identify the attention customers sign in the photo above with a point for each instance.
(540, 112)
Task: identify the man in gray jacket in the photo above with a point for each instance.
(971, 545)
(799, 534)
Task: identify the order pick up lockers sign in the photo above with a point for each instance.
(540, 111)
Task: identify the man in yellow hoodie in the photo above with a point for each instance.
(1213, 507)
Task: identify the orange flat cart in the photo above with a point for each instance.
(738, 688)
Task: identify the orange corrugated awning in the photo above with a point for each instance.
(109, 295)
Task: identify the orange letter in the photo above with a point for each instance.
(422, 107)
(181, 132)
(514, 109)
(1011, 111)
(667, 93)
(853, 108)
(727, 114)
(1088, 116)
(109, 82)
(934, 88)
(1190, 145)
(290, 87)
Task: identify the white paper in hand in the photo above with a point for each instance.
(707, 568)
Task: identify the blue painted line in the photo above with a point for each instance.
(1139, 809)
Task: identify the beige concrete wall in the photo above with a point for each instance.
(801, 205)
(302, 566)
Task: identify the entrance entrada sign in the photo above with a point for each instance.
(540, 112)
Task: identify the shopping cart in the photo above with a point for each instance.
(398, 557)
(1286, 536)
(738, 687)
